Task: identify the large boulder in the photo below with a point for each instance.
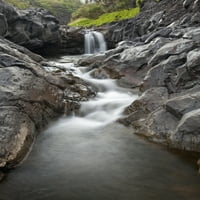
(3, 25)
(162, 60)
(33, 28)
(187, 134)
(30, 97)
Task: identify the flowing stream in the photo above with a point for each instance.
(91, 157)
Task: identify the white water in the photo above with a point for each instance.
(94, 42)
(105, 108)
(88, 157)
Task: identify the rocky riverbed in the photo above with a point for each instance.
(163, 61)
(158, 52)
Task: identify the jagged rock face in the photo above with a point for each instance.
(72, 40)
(153, 20)
(32, 28)
(3, 25)
(39, 31)
(164, 63)
(29, 98)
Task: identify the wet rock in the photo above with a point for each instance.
(94, 60)
(186, 135)
(159, 126)
(72, 40)
(29, 98)
(149, 101)
(181, 105)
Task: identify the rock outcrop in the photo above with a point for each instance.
(39, 31)
(161, 57)
(33, 28)
(30, 97)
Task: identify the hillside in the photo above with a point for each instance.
(62, 9)
(104, 12)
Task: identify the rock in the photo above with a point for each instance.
(72, 40)
(161, 74)
(139, 55)
(33, 28)
(193, 34)
(154, 16)
(3, 25)
(196, 5)
(129, 64)
(181, 105)
(160, 125)
(193, 60)
(29, 98)
(149, 101)
(187, 3)
(92, 60)
(173, 48)
(187, 135)
(196, 18)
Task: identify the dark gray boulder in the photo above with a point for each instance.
(187, 133)
(33, 28)
(3, 25)
(163, 62)
(29, 98)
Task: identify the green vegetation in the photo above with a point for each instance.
(55, 6)
(105, 11)
(106, 18)
(21, 4)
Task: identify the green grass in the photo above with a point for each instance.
(55, 6)
(21, 4)
(106, 18)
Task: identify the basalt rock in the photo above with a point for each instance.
(33, 28)
(163, 61)
(72, 40)
(29, 98)
(154, 19)
(3, 25)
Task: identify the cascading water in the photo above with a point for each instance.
(94, 42)
(89, 157)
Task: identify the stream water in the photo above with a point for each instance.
(91, 157)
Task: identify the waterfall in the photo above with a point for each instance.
(94, 42)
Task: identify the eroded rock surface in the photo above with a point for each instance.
(39, 31)
(29, 98)
(163, 61)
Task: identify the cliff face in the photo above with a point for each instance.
(161, 57)
(32, 28)
(153, 17)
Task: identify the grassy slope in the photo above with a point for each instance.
(21, 4)
(53, 5)
(106, 18)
